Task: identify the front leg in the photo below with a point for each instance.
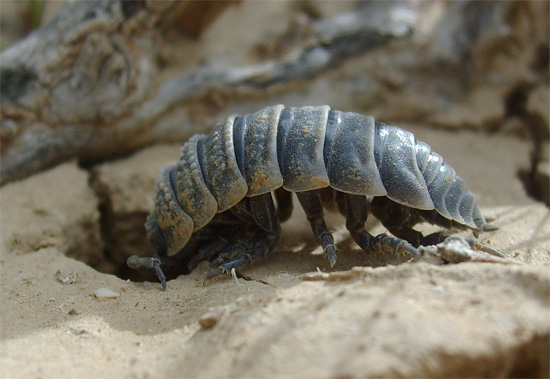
(257, 246)
(261, 230)
(204, 244)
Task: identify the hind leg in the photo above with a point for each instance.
(399, 220)
(355, 209)
(438, 237)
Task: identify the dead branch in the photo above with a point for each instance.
(90, 85)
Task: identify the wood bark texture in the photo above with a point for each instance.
(107, 77)
(92, 84)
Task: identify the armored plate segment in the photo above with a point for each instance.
(425, 161)
(454, 196)
(449, 194)
(466, 209)
(439, 187)
(255, 138)
(221, 171)
(173, 226)
(193, 194)
(395, 155)
(433, 165)
(300, 145)
(479, 220)
(349, 154)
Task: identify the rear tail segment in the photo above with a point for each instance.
(451, 198)
(416, 177)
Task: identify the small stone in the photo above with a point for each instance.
(105, 293)
(65, 278)
(210, 319)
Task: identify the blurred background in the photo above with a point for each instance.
(105, 78)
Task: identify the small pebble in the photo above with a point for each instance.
(210, 319)
(208, 322)
(65, 278)
(105, 293)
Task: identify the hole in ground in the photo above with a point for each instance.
(123, 235)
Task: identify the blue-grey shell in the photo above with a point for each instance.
(302, 149)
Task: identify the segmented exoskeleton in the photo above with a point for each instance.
(216, 203)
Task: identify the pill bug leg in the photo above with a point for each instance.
(438, 237)
(399, 220)
(207, 251)
(145, 264)
(355, 209)
(204, 244)
(244, 252)
(313, 207)
(258, 233)
(284, 204)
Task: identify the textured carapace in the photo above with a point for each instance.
(221, 177)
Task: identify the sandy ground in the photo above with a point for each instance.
(368, 316)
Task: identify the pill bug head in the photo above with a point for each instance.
(168, 227)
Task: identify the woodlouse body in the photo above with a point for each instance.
(222, 177)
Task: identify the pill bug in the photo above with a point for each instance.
(217, 202)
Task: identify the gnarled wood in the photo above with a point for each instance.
(90, 85)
